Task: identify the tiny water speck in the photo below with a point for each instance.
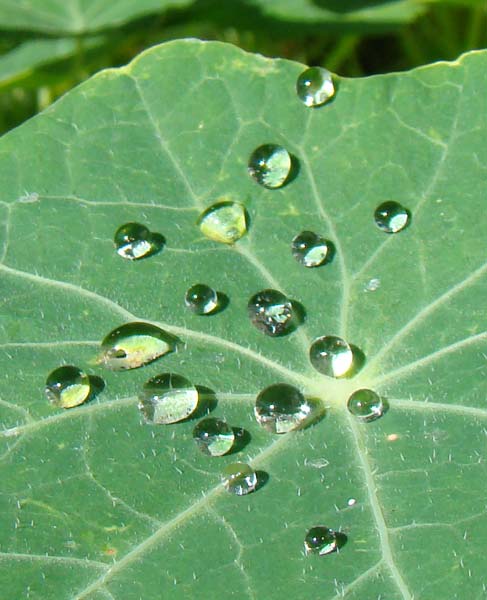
(201, 299)
(331, 356)
(134, 344)
(239, 479)
(315, 86)
(214, 436)
(167, 398)
(223, 222)
(366, 405)
(270, 165)
(310, 249)
(281, 407)
(372, 285)
(271, 312)
(320, 540)
(67, 386)
(391, 217)
(134, 241)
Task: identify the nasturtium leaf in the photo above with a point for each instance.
(97, 505)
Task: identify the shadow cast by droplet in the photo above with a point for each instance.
(316, 415)
(206, 403)
(330, 255)
(358, 362)
(293, 171)
(262, 479)
(157, 241)
(222, 301)
(97, 385)
(242, 439)
(341, 540)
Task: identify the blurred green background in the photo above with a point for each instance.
(49, 46)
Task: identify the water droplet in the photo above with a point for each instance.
(167, 398)
(351, 502)
(134, 241)
(271, 312)
(201, 299)
(214, 436)
(391, 217)
(366, 405)
(280, 408)
(67, 386)
(372, 285)
(331, 356)
(239, 479)
(133, 345)
(320, 540)
(223, 222)
(270, 165)
(315, 86)
(310, 249)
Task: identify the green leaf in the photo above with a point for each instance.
(96, 505)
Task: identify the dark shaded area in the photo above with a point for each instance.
(299, 315)
(317, 413)
(157, 241)
(262, 479)
(346, 6)
(207, 402)
(97, 385)
(242, 439)
(222, 302)
(341, 539)
(294, 172)
(358, 362)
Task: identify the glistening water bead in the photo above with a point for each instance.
(270, 165)
(315, 86)
(270, 312)
(67, 386)
(134, 241)
(331, 356)
(320, 540)
(201, 299)
(167, 398)
(239, 479)
(223, 222)
(214, 436)
(280, 408)
(310, 249)
(366, 405)
(391, 217)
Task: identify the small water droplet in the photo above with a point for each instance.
(280, 408)
(167, 398)
(366, 405)
(331, 356)
(67, 386)
(134, 344)
(214, 436)
(315, 86)
(351, 502)
(391, 217)
(271, 312)
(201, 299)
(224, 222)
(310, 249)
(372, 285)
(320, 540)
(239, 479)
(270, 165)
(134, 241)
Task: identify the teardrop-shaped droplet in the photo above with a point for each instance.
(315, 86)
(366, 405)
(214, 436)
(239, 479)
(134, 241)
(224, 222)
(280, 408)
(271, 312)
(67, 386)
(133, 345)
(201, 299)
(320, 540)
(310, 249)
(167, 398)
(331, 356)
(391, 217)
(270, 165)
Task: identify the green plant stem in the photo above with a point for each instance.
(343, 49)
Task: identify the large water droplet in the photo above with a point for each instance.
(391, 217)
(320, 540)
(67, 386)
(133, 345)
(214, 436)
(280, 408)
(134, 241)
(315, 86)
(331, 356)
(239, 479)
(366, 405)
(167, 398)
(271, 312)
(310, 249)
(223, 222)
(201, 299)
(270, 165)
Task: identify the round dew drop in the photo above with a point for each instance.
(239, 479)
(331, 356)
(366, 405)
(315, 86)
(214, 436)
(280, 408)
(391, 217)
(201, 299)
(133, 241)
(67, 387)
(270, 165)
(320, 540)
(310, 249)
(223, 222)
(167, 398)
(271, 312)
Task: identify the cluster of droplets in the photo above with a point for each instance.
(280, 408)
